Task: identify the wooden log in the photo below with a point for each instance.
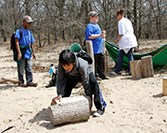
(89, 49)
(164, 88)
(71, 109)
(147, 66)
(135, 68)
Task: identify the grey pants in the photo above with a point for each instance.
(24, 65)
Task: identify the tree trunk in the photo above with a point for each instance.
(48, 35)
(158, 20)
(140, 22)
(39, 39)
(27, 7)
(85, 8)
(61, 12)
(135, 18)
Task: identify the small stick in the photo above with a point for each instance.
(6, 129)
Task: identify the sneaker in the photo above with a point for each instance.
(114, 73)
(126, 74)
(32, 84)
(22, 85)
(98, 113)
(105, 78)
(50, 85)
(98, 78)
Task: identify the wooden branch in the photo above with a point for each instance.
(4, 80)
(6, 129)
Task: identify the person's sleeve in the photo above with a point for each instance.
(17, 34)
(83, 70)
(61, 81)
(121, 28)
(88, 32)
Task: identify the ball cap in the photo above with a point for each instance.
(93, 13)
(28, 19)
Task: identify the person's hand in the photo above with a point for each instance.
(19, 55)
(116, 41)
(56, 100)
(34, 57)
(103, 33)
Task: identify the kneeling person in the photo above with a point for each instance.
(73, 69)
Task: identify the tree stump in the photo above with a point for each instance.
(147, 66)
(71, 109)
(135, 68)
(164, 89)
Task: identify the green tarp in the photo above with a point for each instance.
(159, 56)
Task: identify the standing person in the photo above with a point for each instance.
(73, 69)
(126, 41)
(93, 32)
(24, 46)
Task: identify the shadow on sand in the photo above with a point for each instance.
(158, 95)
(7, 86)
(43, 116)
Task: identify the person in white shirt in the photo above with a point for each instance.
(126, 41)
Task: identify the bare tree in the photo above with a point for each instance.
(66, 19)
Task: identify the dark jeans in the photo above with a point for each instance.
(24, 65)
(94, 89)
(121, 54)
(99, 65)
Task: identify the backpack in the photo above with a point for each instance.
(82, 54)
(53, 80)
(13, 45)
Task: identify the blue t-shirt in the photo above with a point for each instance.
(25, 41)
(98, 46)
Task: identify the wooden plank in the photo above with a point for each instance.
(89, 49)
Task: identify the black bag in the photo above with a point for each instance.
(82, 54)
(13, 45)
(53, 80)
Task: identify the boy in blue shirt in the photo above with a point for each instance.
(93, 32)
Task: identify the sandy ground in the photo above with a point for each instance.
(133, 106)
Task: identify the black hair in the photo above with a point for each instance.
(121, 12)
(67, 57)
